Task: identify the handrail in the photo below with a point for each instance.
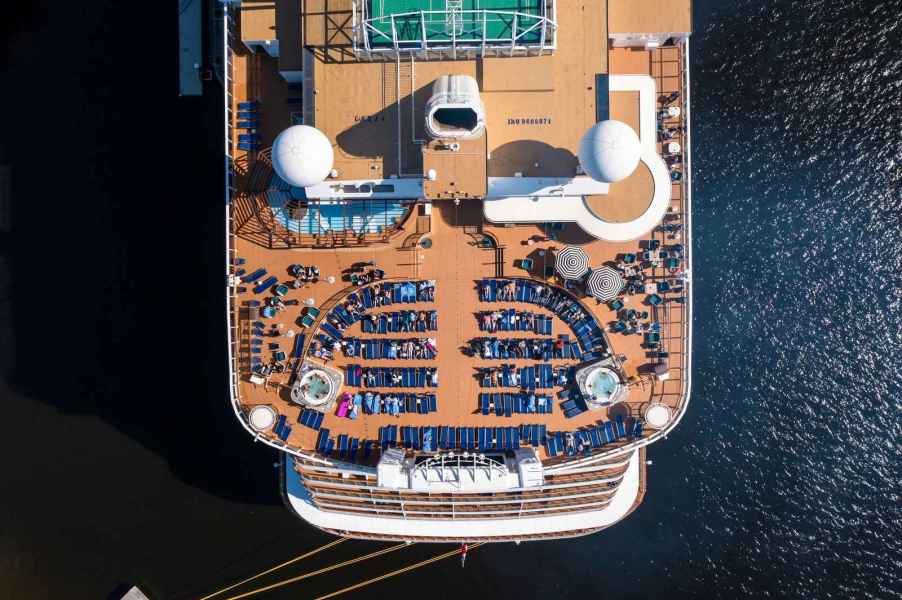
(231, 293)
(686, 368)
(363, 26)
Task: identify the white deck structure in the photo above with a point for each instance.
(507, 203)
(409, 528)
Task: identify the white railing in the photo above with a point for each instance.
(686, 369)
(451, 40)
(230, 254)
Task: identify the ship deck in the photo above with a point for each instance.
(362, 131)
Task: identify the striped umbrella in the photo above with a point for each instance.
(572, 262)
(604, 283)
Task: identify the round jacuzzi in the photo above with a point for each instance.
(261, 417)
(315, 388)
(601, 385)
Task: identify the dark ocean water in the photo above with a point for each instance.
(121, 461)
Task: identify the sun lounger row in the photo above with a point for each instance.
(420, 438)
(573, 442)
(514, 320)
(403, 321)
(588, 333)
(526, 348)
(385, 293)
(518, 403)
(409, 349)
(311, 418)
(574, 406)
(372, 377)
(391, 403)
(539, 376)
(432, 438)
(344, 446)
(282, 428)
(342, 317)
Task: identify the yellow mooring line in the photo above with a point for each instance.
(398, 572)
(285, 582)
(275, 568)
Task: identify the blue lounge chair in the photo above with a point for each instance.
(280, 423)
(621, 429)
(637, 429)
(595, 438)
(286, 431)
(609, 432)
(254, 276)
(265, 284)
(322, 439)
(331, 330)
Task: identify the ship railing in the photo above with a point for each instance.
(685, 339)
(232, 302)
(478, 43)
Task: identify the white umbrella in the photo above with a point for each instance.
(604, 283)
(571, 262)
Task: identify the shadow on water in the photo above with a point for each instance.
(117, 258)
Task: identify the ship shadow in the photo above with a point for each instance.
(118, 309)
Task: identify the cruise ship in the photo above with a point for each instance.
(458, 276)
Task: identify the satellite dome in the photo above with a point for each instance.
(609, 151)
(302, 156)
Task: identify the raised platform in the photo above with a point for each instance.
(536, 208)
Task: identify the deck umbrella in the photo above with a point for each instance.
(571, 262)
(604, 283)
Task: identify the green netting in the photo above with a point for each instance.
(445, 25)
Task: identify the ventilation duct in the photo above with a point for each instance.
(455, 109)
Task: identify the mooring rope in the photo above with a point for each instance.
(397, 572)
(285, 582)
(275, 568)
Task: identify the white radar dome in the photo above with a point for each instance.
(302, 156)
(609, 151)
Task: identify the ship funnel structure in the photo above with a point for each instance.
(302, 156)
(455, 109)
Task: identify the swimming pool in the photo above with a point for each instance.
(361, 216)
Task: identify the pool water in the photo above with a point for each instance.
(602, 383)
(317, 387)
(361, 216)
